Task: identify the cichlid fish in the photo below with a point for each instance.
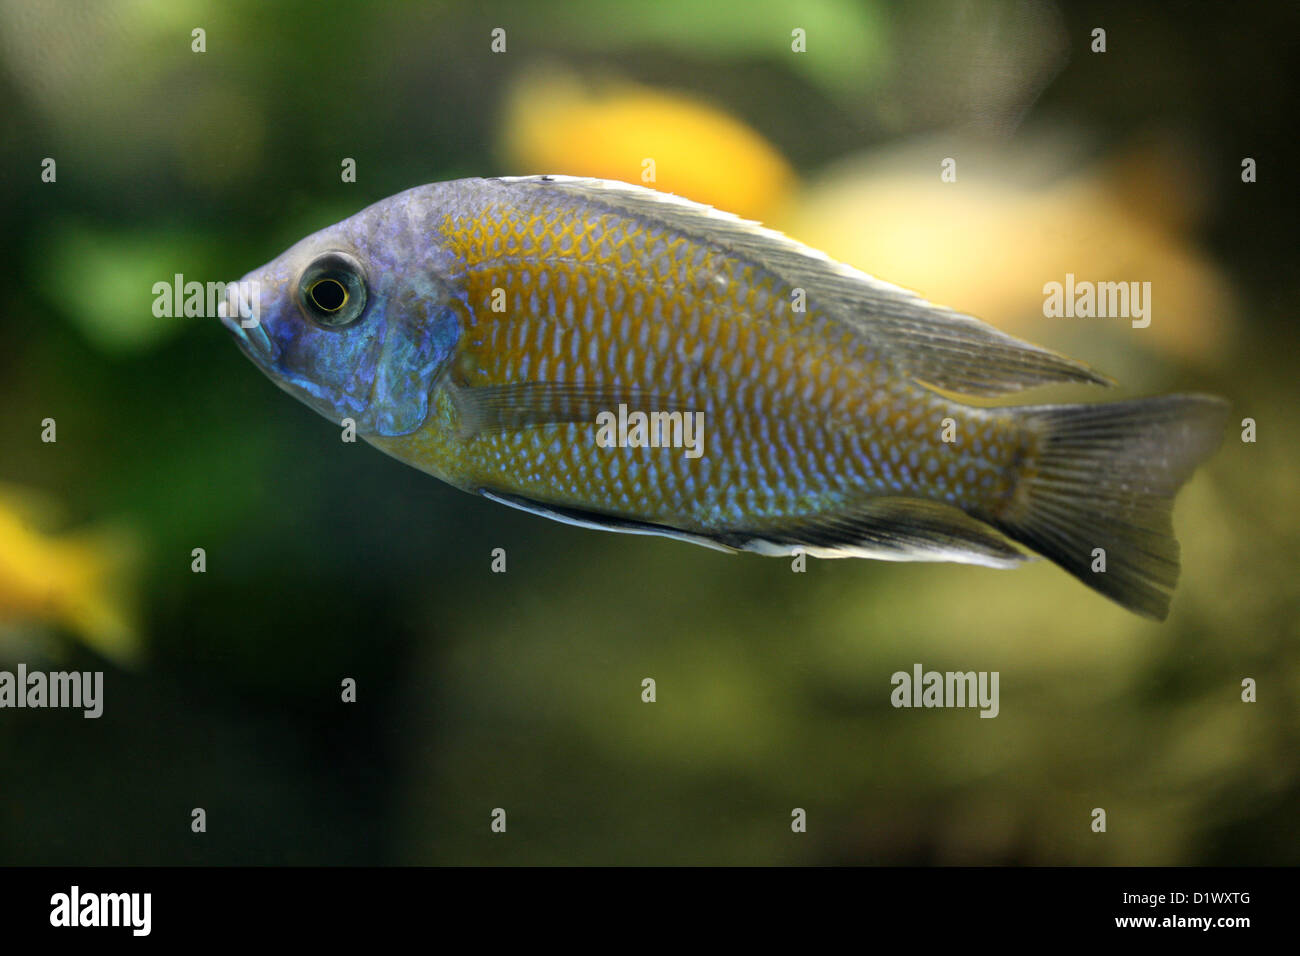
(547, 342)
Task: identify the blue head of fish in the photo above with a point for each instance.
(357, 321)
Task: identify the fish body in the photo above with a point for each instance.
(490, 332)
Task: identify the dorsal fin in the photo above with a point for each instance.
(934, 345)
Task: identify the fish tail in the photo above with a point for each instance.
(100, 607)
(1104, 477)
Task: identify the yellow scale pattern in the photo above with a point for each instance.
(797, 418)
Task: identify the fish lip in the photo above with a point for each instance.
(253, 340)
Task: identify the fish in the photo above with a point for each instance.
(501, 334)
(1009, 220)
(610, 128)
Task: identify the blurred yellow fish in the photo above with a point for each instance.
(1016, 218)
(80, 581)
(616, 130)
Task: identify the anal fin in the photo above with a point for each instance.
(886, 529)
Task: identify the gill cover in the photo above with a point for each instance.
(417, 346)
(371, 353)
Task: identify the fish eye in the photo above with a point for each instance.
(332, 291)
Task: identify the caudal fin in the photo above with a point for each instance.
(101, 569)
(1105, 476)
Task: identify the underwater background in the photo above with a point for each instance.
(476, 690)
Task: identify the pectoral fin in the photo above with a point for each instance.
(488, 408)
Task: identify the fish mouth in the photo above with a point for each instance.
(248, 332)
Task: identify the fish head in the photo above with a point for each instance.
(358, 321)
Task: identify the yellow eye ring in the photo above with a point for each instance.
(328, 295)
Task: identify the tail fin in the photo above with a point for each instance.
(1105, 476)
(101, 567)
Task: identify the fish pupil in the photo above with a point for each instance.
(329, 295)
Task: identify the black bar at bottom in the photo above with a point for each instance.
(255, 904)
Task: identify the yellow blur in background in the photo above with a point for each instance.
(1016, 216)
(614, 129)
(82, 582)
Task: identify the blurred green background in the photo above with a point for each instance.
(522, 691)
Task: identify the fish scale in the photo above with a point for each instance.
(505, 249)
